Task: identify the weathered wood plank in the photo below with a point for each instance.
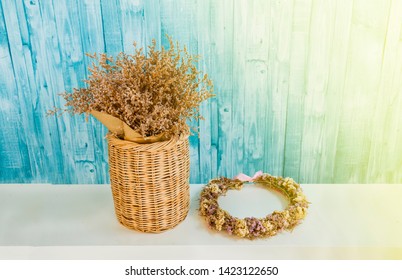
(317, 75)
(256, 85)
(48, 79)
(276, 95)
(336, 81)
(27, 140)
(14, 164)
(394, 151)
(293, 62)
(152, 25)
(91, 29)
(385, 127)
(279, 80)
(179, 20)
(215, 42)
(368, 30)
(132, 24)
(74, 70)
(205, 41)
(111, 18)
(236, 137)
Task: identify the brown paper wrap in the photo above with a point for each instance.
(122, 130)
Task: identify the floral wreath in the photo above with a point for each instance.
(251, 227)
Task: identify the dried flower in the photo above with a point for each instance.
(154, 92)
(251, 228)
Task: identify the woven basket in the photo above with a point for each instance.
(150, 182)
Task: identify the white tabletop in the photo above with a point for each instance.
(78, 222)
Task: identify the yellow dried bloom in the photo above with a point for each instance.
(300, 212)
(241, 228)
(267, 225)
(215, 189)
(220, 219)
(299, 198)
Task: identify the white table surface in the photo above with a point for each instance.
(78, 222)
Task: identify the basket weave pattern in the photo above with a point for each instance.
(150, 182)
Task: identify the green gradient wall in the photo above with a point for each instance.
(307, 89)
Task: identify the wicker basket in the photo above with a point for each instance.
(150, 183)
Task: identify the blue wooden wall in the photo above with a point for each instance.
(305, 88)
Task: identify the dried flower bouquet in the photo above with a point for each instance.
(150, 94)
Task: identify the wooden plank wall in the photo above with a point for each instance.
(305, 88)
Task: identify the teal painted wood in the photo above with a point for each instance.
(317, 66)
(294, 67)
(90, 18)
(280, 38)
(11, 160)
(178, 19)
(307, 89)
(256, 84)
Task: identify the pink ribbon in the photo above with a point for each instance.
(244, 178)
